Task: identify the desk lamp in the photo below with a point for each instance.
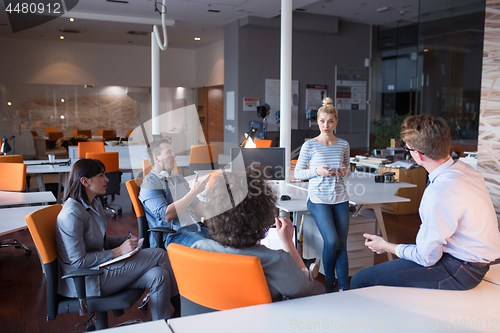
(5, 144)
(249, 137)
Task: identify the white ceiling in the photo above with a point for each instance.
(193, 18)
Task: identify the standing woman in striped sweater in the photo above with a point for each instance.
(328, 202)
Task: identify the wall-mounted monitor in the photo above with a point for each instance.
(272, 159)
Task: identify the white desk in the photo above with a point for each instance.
(34, 168)
(18, 198)
(13, 218)
(374, 309)
(364, 193)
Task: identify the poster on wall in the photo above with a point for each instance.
(273, 100)
(350, 98)
(315, 93)
(250, 103)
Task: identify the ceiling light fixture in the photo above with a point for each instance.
(71, 19)
(383, 9)
(62, 100)
(9, 103)
(197, 38)
(61, 37)
(62, 116)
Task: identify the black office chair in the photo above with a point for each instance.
(111, 162)
(42, 226)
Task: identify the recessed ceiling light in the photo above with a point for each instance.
(62, 100)
(426, 50)
(197, 38)
(61, 37)
(62, 116)
(383, 9)
(9, 103)
(71, 19)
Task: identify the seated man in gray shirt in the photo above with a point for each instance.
(241, 209)
(169, 201)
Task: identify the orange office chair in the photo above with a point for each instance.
(111, 162)
(86, 132)
(110, 133)
(50, 129)
(146, 167)
(263, 143)
(42, 227)
(133, 188)
(211, 281)
(54, 136)
(128, 133)
(34, 133)
(11, 159)
(203, 157)
(13, 178)
(90, 147)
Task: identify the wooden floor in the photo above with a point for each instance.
(22, 283)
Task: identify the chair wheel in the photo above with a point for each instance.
(91, 327)
(119, 210)
(27, 252)
(17, 246)
(113, 216)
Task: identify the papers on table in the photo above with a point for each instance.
(402, 165)
(124, 256)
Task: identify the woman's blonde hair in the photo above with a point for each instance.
(328, 108)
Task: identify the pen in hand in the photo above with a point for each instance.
(129, 235)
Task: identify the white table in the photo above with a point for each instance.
(35, 167)
(363, 192)
(18, 198)
(157, 326)
(13, 218)
(374, 309)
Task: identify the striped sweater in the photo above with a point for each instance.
(323, 189)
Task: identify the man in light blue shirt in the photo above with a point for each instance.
(168, 200)
(459, 235)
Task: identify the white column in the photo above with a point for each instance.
(155, 86)
(286, 83)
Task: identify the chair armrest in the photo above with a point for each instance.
(78, 277)
(159, 231)
(162, 229)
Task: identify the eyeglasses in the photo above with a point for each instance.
(408, 149)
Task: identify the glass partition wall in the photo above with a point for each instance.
(70, 107)
(433, 65)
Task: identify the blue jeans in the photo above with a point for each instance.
(448, 273)
(332, 221)
(188, 235)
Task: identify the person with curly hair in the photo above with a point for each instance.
(241, 206)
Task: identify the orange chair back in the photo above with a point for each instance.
(34, 133)
(54, 136)
(111, 133)
(128, 133)
(12, 176)
(204, 153)
(42, 226)
(11, 159)
(50, 129)
(90, 147)
(214, 280)
(110, 160)
(86, 132)
(133, 188)
(263, 143)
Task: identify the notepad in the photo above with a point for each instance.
(124, 256)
